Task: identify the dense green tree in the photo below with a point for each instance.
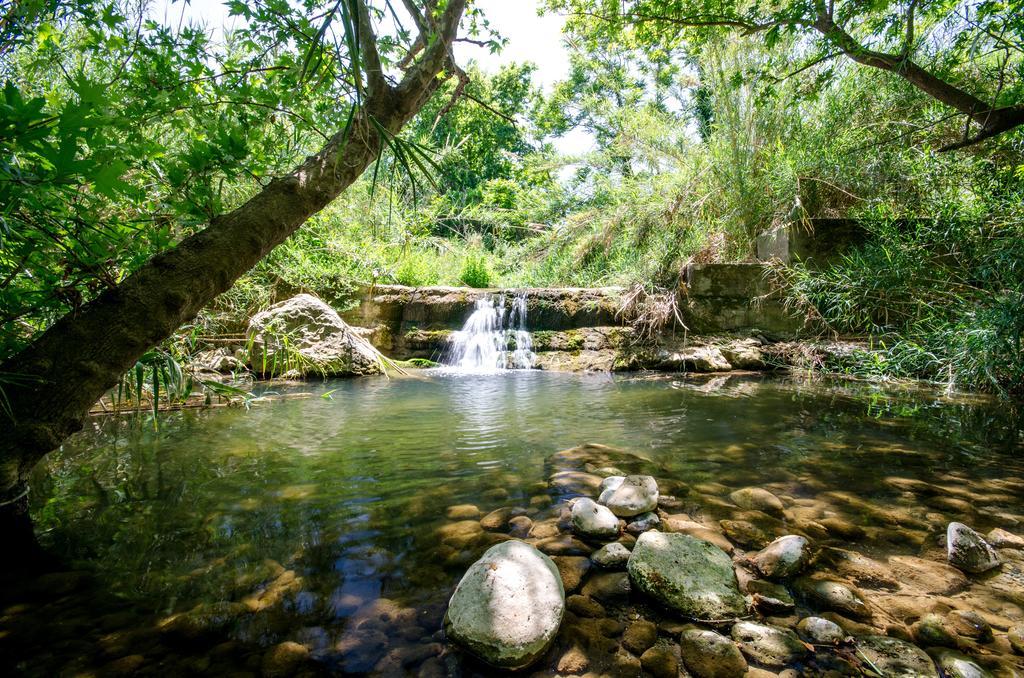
(609, 85)
(967, 55)
(483, 134)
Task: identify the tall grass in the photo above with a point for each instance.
(939, 299)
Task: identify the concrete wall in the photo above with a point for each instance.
(735, 297)
(815, 242)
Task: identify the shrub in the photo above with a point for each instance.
(416, 270)
(475, 272)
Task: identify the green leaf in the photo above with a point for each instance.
(107, 179)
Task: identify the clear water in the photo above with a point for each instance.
(346, 486)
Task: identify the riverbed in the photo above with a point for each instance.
(323, 529)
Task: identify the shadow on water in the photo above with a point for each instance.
(325, 534)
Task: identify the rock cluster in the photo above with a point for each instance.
(762, 583)
(785, 580)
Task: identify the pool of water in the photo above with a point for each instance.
(319, 507)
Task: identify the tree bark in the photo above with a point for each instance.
(84, 354)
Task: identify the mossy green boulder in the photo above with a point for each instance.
(686, 574)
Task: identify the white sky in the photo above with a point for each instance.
(533, 38)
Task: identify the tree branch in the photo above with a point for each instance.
(700, 21)
(993, 121)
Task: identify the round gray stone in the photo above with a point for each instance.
(508, 606)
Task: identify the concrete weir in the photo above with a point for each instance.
(732, 314)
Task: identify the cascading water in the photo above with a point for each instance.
(493, 338)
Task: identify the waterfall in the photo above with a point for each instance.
(493, 338)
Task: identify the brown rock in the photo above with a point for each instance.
(573, 661)
(969, 624)
(563, 545)
(707, 654)
(495, 493)
(928, 575)
(498, 519)
(576, 482)
(462, 512)
(834, 595)
(931, 631)
(851, 627)
(544, 529)
(611, 588)
(460, 534)
(1002, 539)
(584, 606)
(1016, 637)
(626, 665)
(519, 526)
(744, 533)
(758, 499)
(432, 668)
(863, 571)
(660, 662)
(770, 598)
(572, 570)
(125, 666)
(284, 659)
(359, 650)
(639, 636)
(683, 525)
(843, 529)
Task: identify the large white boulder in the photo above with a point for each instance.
(508, 606)
(304, 335)
(629, 496)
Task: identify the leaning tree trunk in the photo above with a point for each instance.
(71, 365)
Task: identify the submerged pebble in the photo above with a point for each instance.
(611, 556)
(1001, 539)
(956, 664)
(660, 662)
(707, 654)
(643, 522)
(629, 496)
(896, 658)
(820, 631)
(768, 645)
(968, 551)
(834, 595)
(758, 499)
(1016, 637)
(639, 636)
